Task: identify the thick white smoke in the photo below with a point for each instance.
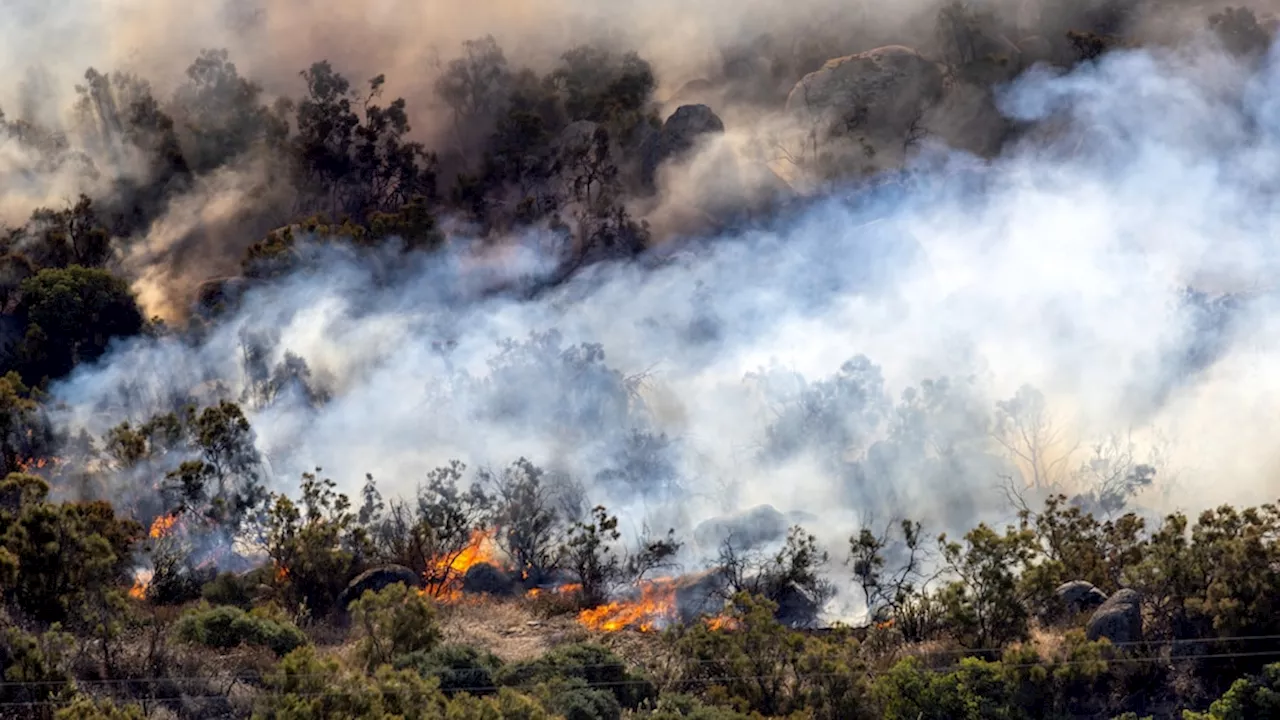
(1062, 265)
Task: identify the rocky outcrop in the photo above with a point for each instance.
(1076, 597)
(223, 292)
(752, 528)
(679, 134)
(797, 608)
(880, 94)
(700, 594)
(1119, 619)
(695, 92)
(377, 579)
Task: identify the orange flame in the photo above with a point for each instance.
(447, 572)
(481, 548)
(26, 465)
(161, 526)
(566, 589)
(655, 607)
(282, 573)
(141, 581)
(722, 622)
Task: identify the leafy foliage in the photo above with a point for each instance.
(393, 623)
(226, 627)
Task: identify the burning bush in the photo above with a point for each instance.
(590, 555)
(315, 545)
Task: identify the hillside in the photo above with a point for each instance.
(588, 361)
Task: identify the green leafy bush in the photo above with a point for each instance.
(458, 668)
(227, 627)
(596, 666)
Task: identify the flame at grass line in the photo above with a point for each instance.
(566, 589)
(723, 622)
(655, 608)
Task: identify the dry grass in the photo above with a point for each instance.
(1047, 642)
(509, 628)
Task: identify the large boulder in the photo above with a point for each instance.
(700, 594)
(879, 95)
(797, 608)
(695, 92)
(746, 530)
(483, 578)
(221, 293)
(1078, 596)
(377, 579)
(679, 134)
(1119, 619)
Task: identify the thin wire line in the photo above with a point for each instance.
(627, 683)
(621, 663)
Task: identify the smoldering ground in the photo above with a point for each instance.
(893, 350)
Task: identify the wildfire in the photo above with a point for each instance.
(655, 607)
(141, 581)
(161, 526)
(26, 465)
(566, 589)
(722, 622)
(481, 548)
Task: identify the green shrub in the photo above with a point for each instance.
(393, 622)
(687, 707)
(227, 627)
(1250, 697)
(573, 699)
(229, 588)
(459, 668)
(595, 665)
(86, 708)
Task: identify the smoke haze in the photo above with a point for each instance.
(1061, 265)
(847, 360)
